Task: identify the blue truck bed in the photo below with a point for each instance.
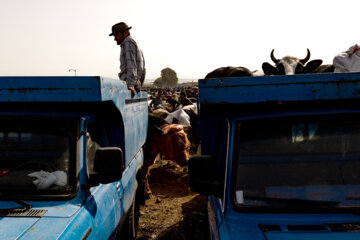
(280, 156)
(289, 88)
(64, 89)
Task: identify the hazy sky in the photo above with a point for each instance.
(193, 37)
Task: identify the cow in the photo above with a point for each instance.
(229, 72)
(168, 140)
(193, 134)
(161, 112)
(290, 65)
(325, 68)
(347, 61)
(173, 101)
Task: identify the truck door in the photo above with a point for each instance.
(216, 206)
(106, 197)
(115, 138)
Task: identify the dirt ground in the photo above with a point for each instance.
(175, 212)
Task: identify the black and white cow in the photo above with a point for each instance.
(290, 65)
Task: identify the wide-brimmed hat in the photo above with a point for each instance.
(119, 27)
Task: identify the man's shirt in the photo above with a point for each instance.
(132, 63)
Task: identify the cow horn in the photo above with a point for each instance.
(273, 58)
(303, 61)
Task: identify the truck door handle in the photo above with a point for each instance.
(118, 185)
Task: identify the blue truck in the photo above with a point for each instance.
(280, 156)
(71, 158)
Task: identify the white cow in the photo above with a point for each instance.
(348, 61)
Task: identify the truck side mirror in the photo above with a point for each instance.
(108, 166)
(203, 177)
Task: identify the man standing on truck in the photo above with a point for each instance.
(132, 62)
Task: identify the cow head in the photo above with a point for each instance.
(290, 65)
(172, 144)
(177, 144)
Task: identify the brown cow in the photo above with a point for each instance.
(172, 144)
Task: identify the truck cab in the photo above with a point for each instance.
(280, 156)
(71, 158)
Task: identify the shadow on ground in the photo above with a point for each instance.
(175, 212)
(195, 223)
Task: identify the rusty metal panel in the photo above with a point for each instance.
(307, 87)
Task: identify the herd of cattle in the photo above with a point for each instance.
(287, 65)
(171, 138)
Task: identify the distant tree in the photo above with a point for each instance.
(169, 77)
(158, 82)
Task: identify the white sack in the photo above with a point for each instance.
(46, 179)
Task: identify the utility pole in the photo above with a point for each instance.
(71, 69)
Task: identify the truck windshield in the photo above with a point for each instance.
(298, 161)
(37, 156)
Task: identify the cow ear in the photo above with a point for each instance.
(268, 69)
(311, 66)
(158, 131)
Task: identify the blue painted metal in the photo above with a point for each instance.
(308, 87)
(61, 89)
(246, 226)
(227, 223)
(97, 213)
(84, 90)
